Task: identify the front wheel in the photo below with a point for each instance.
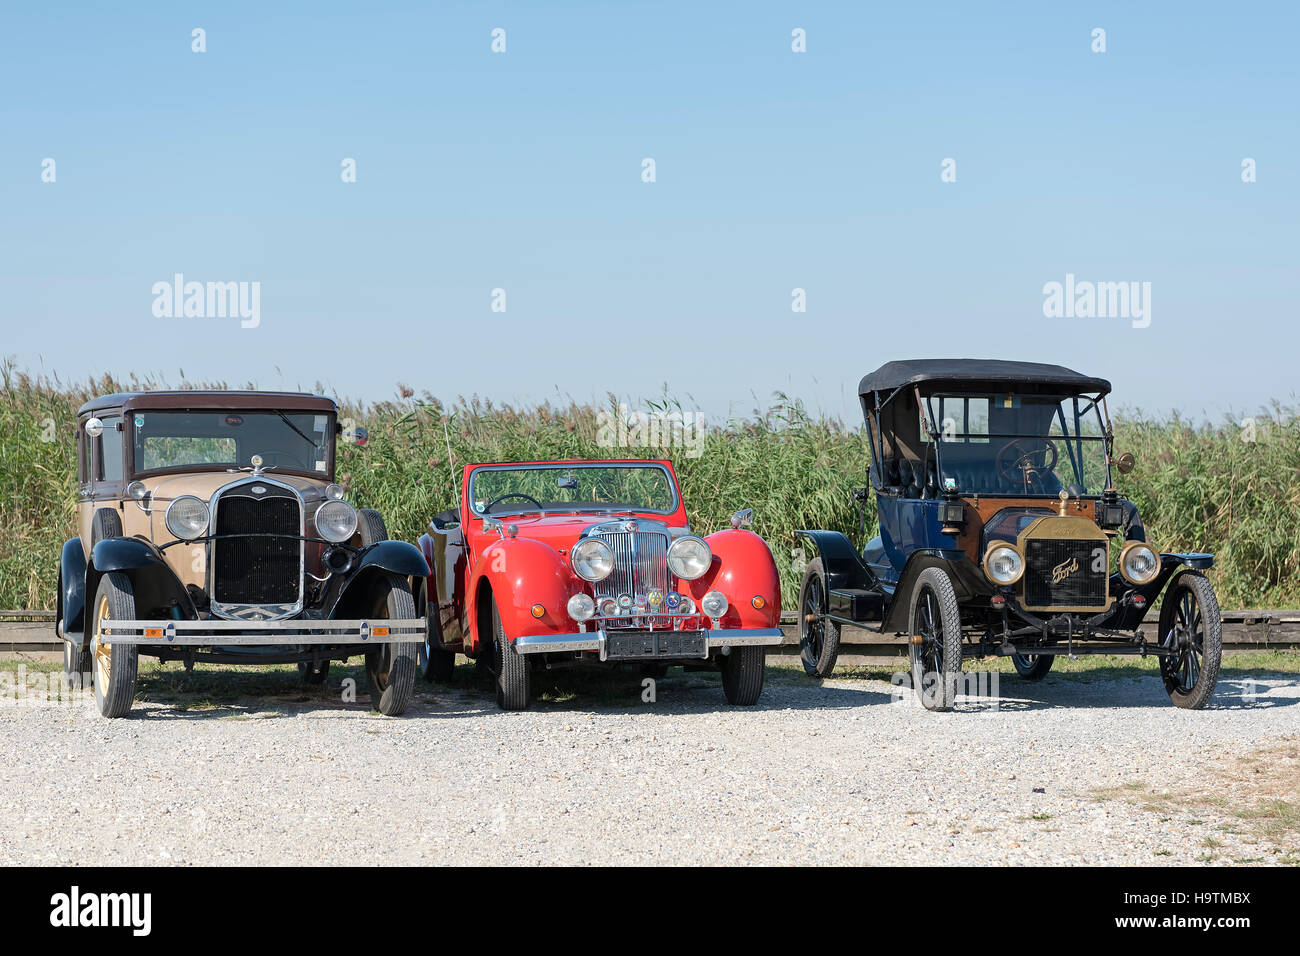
(511, 667)
(934, 642)
(742, 675)
(819, 636)
(1192, 627)
(115, 665)
(1033, 666)
(390, 668)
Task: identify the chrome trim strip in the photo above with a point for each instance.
(556, 643)
(267, 632)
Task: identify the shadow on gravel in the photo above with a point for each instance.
(1236, 690)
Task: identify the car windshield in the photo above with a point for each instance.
(1018, 444)
(286, 441)
(518, 489)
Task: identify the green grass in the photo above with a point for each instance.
(1199, 488)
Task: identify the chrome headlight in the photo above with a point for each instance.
(714, 604)
(1139, 562)
(592, 559)
(187, 518)
(336, 521)
(689, 557)
(1003, 564)
(581, 606)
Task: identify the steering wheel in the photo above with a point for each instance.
(500, 498)
(1024, 467)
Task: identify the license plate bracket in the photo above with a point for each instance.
(655, 645)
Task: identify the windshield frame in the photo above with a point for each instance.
(220, 468)
(571, 508)
(1083, 405)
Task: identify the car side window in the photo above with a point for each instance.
(110, 450)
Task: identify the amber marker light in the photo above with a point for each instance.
(538, 611)
(379, 632)
(758, 602)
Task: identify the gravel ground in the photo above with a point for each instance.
(831, 773)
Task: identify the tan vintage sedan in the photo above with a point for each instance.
(210, 529)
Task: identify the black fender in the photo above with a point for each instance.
(400, 558)
(967, 577)
(843, 566)
(155, 584)
(1170, 563)
(71, 608)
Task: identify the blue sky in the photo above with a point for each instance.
(775, 171)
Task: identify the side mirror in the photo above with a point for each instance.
(360, 436)
(94, 427)
(1125, 462)
(743, 518)
(569, 482)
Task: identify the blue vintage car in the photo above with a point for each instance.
(1001, 534)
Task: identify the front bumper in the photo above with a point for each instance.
(599, 641)
(229, 633)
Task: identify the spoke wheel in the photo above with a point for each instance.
(114, 666)
(934, 627)
(819, 637)
(1191, 626)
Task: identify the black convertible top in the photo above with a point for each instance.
(995, 374)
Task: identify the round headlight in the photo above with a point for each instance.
(689, 557)
(187, 518)
(336, 520)
(333, 490)
(592, 559)
(714, 604)
(581, 607)
(1003, 564)
(1139, 563)
(687, 606)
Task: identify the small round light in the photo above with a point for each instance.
(336, 520)
(592, 559)
(1003, 564)
(137, 490)
(334, 491)
(1139, 563)
(689, 557)
(537, 611)
(687, 606)
(608, 607)
(581, 607)
(759, 602)
(187, 518)
(714, 604)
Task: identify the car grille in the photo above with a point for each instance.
(1060, 574)
(257, 570)
(640, 563)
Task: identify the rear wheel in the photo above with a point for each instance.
(1192, 626)
(511, 667)
(934, 629)
(115, 665)
(1033, 666)
(390, 668)
(370, 523)
(819, 637)
(436, 664)
(742, 675)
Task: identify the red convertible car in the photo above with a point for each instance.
(550, 564)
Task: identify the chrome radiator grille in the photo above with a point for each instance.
(640, 563)
(257, 570)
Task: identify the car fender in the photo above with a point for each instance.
(518, 573)
(153, 581)
(399, 558)
(1170, 563)
(967, 578)
(841, 563)
(71, 609)
(742, 568)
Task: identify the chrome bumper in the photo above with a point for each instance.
(597, 640)
(298, 631)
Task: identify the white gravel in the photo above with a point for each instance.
(815, 774)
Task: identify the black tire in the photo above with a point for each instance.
(1191, 621)
(391, 668)
(511, 667)
(370, 524)
(313, 673)
(105, 523)
(114, 667)
(819, 639)
(436, 663)
(935, 618)
(1033, 666)
(742, 675)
